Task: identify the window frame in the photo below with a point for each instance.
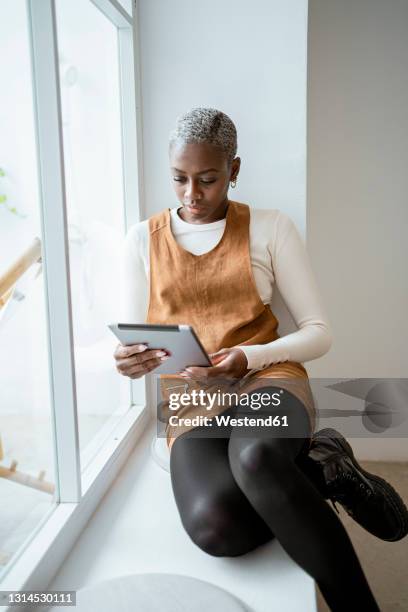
(77, 493)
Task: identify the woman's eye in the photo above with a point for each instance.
(181, 179)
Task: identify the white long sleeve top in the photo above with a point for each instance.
(278, 257)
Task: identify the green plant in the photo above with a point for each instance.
(3, 200)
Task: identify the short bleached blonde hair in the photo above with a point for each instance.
(206, 125)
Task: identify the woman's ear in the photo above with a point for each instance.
(235, 166)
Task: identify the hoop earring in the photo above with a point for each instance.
(234, 183)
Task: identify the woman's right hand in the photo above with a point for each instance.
(136, 360)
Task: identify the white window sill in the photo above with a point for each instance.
(137, 530)
(36, 563)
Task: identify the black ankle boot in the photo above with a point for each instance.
(371, 501)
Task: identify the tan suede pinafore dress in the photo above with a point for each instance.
(216, 294)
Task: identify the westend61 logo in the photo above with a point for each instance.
(255, 401)
(208, 401)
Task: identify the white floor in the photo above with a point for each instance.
(137, 529)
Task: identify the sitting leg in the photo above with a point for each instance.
(265, 468)
(214, 511)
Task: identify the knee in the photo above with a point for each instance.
(210, 528)
(255, 456)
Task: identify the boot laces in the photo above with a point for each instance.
(342, 485)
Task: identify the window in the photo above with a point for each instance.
(27, 482)
(88, 56)
(127, 5)
(69, 187)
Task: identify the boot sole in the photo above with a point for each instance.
(389, 492)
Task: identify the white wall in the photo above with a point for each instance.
(357, 213)
(247, 59)
(250, 61)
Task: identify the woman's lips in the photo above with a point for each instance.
(194, 207)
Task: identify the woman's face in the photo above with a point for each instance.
(201, 175)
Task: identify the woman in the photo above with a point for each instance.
(212, 263)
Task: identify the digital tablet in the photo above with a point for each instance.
(180, 341)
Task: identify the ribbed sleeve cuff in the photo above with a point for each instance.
(260, 356)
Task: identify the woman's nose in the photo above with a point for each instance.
(192, 191)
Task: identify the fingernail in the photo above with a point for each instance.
(164, 358)
(160, 353)
(142, 347)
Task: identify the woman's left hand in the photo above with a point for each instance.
(227, 363)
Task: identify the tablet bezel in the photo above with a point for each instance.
(163, 328)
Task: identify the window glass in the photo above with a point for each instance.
(127, 5)
(91, 121)
(27, 481)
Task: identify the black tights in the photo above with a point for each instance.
(236, 493)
